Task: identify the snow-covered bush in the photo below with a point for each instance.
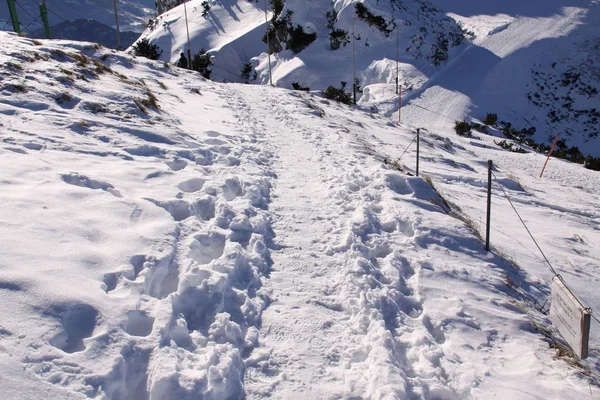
(338, 94)
(338, 38)
(298, 39)
(202, 63)
(377, 21)
(205, 8)
(144, 48)
(462, 128)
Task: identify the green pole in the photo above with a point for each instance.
(13, 16)
(44, 15)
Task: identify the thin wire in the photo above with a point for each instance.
(435, 112)
(405, 150)
(24, 9)
(525, 225)
(55, 14)
(31, 23)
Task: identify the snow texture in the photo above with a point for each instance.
(167, 237)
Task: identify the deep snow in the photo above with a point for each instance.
(239, 240)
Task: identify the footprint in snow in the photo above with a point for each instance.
(191, 185)
(78, 323)
(86, 182)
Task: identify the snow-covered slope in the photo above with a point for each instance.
(233, 30)
(534, 64)
(167, 237)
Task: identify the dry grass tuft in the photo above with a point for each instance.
(63, 97)
(151, 100)
(101, 68)
(81, 58)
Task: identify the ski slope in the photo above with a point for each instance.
(163, 236)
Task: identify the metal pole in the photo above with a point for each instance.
(353, 64)
(44, 15)
(268, 45)
(489, 206)
(13, 16)
(399, 104)
(549, 154)
(397, 58)
(187, 28)
(418, 145)
(117, 25)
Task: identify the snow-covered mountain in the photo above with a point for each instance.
(167, 237)
(133, 14)
(88, 30)
(534, 64)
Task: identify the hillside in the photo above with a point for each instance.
(164, 236)
(88, 30)
(133, 14)
(534, 64)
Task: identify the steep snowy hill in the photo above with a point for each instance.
(133, 14)
(232, 30)
(534, 64)
(167, 237)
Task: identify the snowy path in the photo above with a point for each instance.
(301, 331)
(342, 294)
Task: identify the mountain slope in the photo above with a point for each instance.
(165, 236)
(133, 14)
(533, 64)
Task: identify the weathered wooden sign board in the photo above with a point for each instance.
(570, 316)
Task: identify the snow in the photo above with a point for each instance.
(133, 14)
(163, 236)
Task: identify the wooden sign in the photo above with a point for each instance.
(570, 317)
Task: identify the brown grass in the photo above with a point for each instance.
(81, 58)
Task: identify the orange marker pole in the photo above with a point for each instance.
(399, 104)
(549, 154)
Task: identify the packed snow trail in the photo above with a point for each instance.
(363, 257)
(339, 290)
(305, 325)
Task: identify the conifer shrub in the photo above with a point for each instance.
(377, 21)
(338, 94)
(463, 128)
(202, 63)
(439, 51)
(205, 8)
(247, 71)
(299, 40)
(338, 38)
(144, 48)
(490, 119)
(297, 86)
(592, 163)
